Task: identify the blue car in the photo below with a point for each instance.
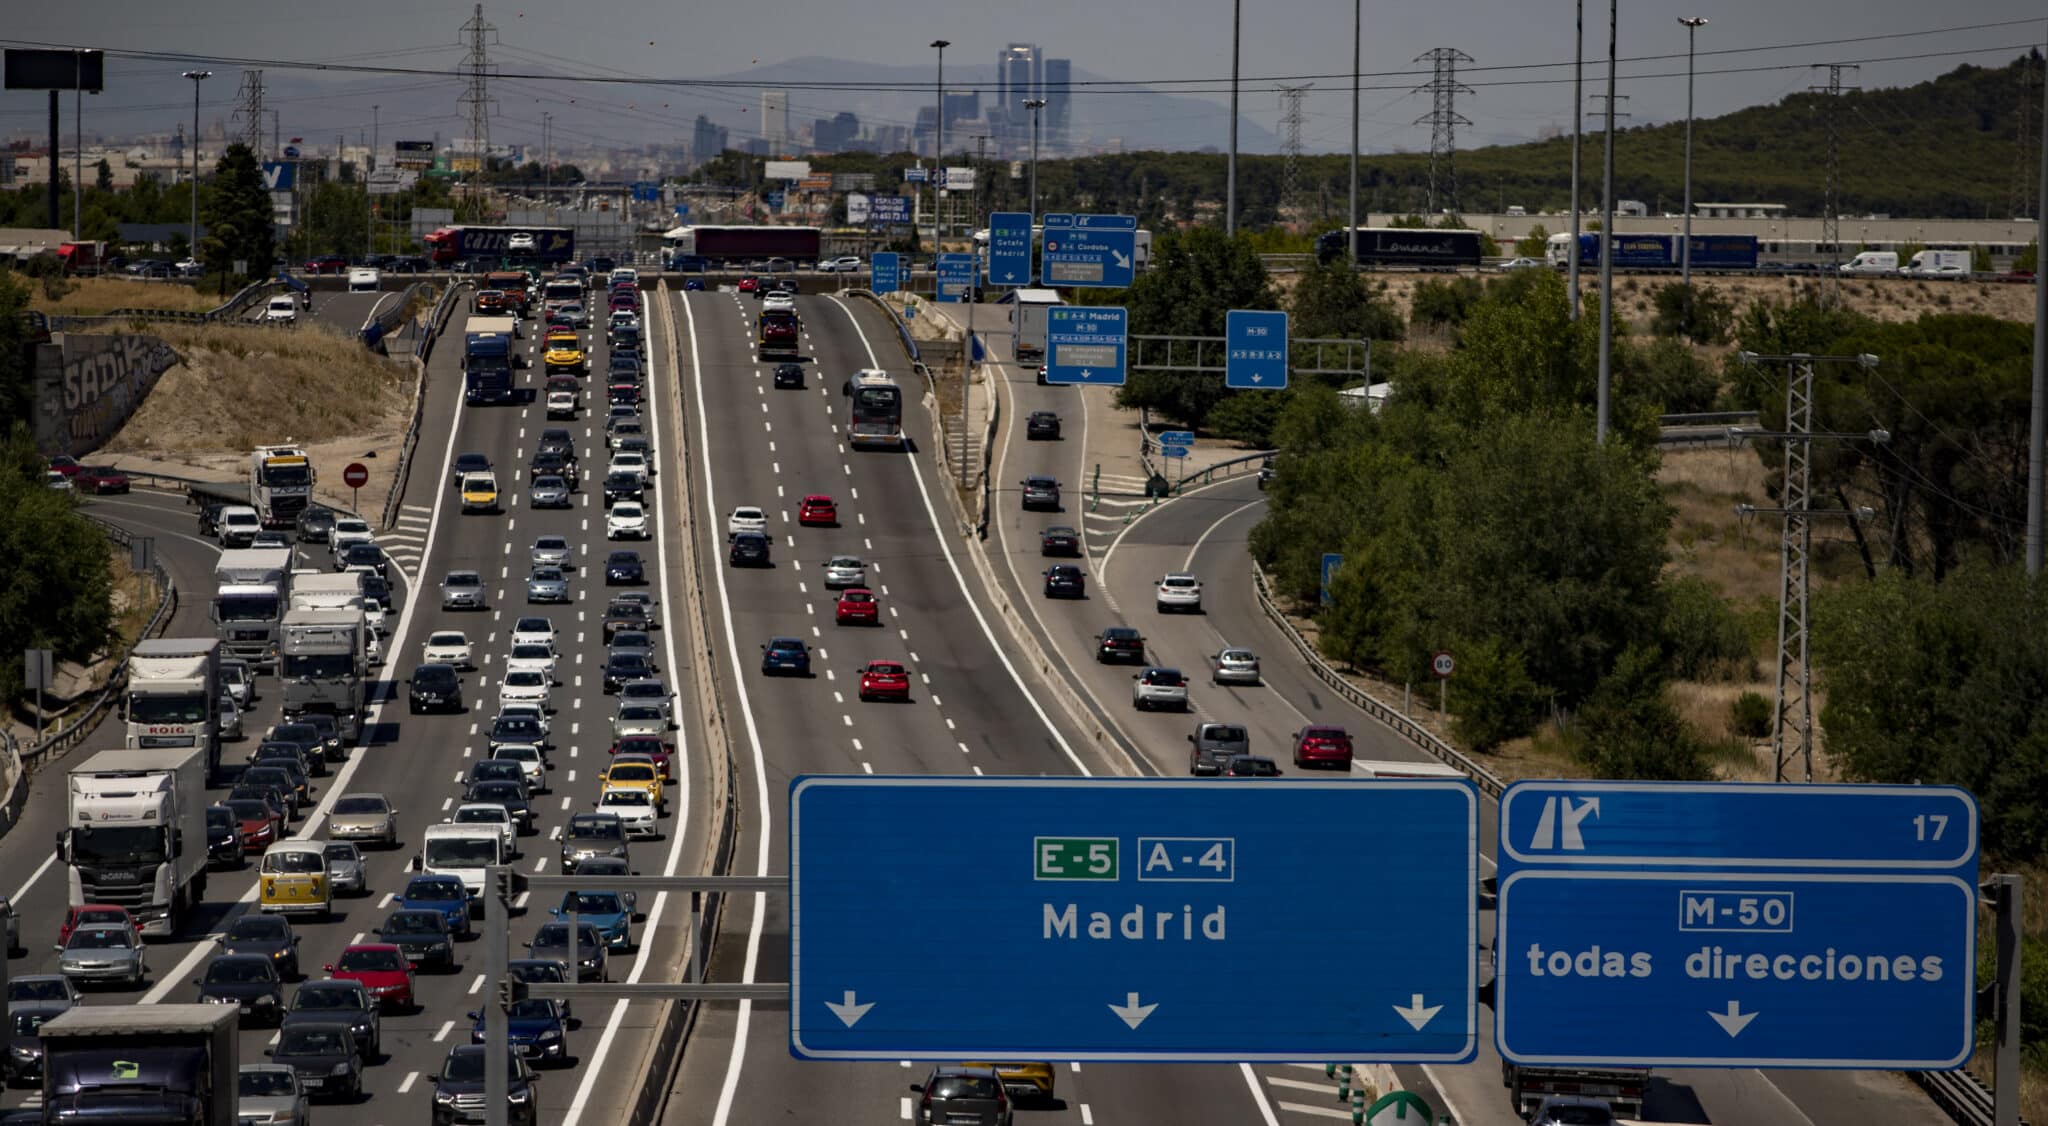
(608, 911)
(438, 893)
(693, 285)
(785, 655)
(538, 1030)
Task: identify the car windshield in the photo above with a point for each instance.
(326, 997)
(434, 891)
(442, 639)
(100, 938)
(304, 1041)
(515, 729)
(466, 1067)
(343, 853)
(525, 678)
(249, 809)
(590, 826)
(256, 927)
(532, 653)
(373, 960)
(463, 578)
(532, 1008)
(265, 1083)
(38, 989)
(640, 712)
(503, 793)
(965, 1087)
(413, 922)
(1579, 1116)
(533, 625)
(294, 862)
(631, 772)
(238, 971)
(557, 934)
(592, 903)
(652, 690)
(481, 815)
(627, 797)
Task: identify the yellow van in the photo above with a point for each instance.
(293, 879)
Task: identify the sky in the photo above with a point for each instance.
(1752, 51)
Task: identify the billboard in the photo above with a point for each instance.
(958, 180)
(856, 208)
(853, 181)
(815, 183)
(413, 154)
(55, 70)
(889, 209)
(280, 176)
(787, 169)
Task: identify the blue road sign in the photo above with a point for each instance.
(773, 200)
(646, 191)
(1331, 561)
(1089, 250)
(884, 265)
(956, 276)
(1009, 248)
(1765, 925)
(1085, 344)
(1255, 356)
(913, 175)
(1131, 906)
(1176, 437)
(279, 175)
(1168, 449)
(682, 211)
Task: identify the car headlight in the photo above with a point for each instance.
(519, 1095)
(548, 1035)
(444, 1098)
(340, 1069)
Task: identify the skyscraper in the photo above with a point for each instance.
(706, 140)
(775, 117)
(1019, 75)
(1058, 111)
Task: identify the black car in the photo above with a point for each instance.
(247, 980)
(552, 463)
(422, 936)
(557, 439)
(1064, 580)
(285, 759)
(1120, 644)
(748, 549)
(459, 1086)
(623, 363)
(511, 795)
(1059, 539)
(623, 395)
(300, 732)
(789, 375)
(209, 519)
(622, 667)
(24, 1062)
(332, 747)
(623, 568)
(316, 524)
(466, 464)
(623, 486)
(1250, 766)
(274, 778)
(344, 1000)
(224, 837)
(325, 1055)
(515, 729)
(269, 937)
(1266, 473)
(593, 836)
(434, 688)
(364, 555)
(1039, 491)
(379, 587)
(1042, 425)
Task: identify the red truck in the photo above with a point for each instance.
(82, 257)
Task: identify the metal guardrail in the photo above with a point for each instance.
(437, 320)
(1371, 705)
(1961, 1095)
(228, 310)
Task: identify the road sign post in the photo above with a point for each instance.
(1255, 350)
(1085, 344)
(355, 476)
(1736, 925)
(1441, 665)
(1120, 899)
(885, 266)
(1177, 444)
(1009, 248)
(955, 278)
(1089, 250)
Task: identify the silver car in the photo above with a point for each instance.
(649, 691)
(552, 551)
(103, 952)
(639, 719)
(270, 1093)
(345, 867)
(363, 817)
(548, 491)
(463, 590)
(547, 584)
(845, 571)
(631, 641)
(240, 683)
(1234, 664)
(230, 716)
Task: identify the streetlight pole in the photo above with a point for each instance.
(192, 236)
(369, 163)
(938, 156)
(1230, 176)
(2037, 437)
(1692, 26)
(547, 160)
(1578, 131)
(1034, 105)
(1607, 242)
(1357, 58)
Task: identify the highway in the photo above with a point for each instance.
(416, 760)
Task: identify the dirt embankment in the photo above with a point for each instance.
(85, 297)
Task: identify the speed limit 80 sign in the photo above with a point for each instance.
(1442, 665)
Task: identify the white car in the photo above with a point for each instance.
(58, 481)
(627, 520)
(239, 682)
(844, 264)
(525, 687)
(633, 807)
(490, 813)
(845, 571)
(283, 309)
(348, 530)
(624, 274)
(639, 719)
(534, 712)
(746, 518)
(1158, 687)
(535, 656)
(529, 759)
(520, 241)
(629, 461)
(533, 630)
(449, 647)
(375, 614)
(778, 303)
(1179, 592)
(373, 647)
(1523, 264)
(561, 404)
(364, 280)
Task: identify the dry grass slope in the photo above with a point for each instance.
(92, 296)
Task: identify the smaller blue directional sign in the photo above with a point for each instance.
(1331, 561)
(913, 175)
(1134, 908)
(886, 266)
(1176, 437)
(1085, 344)
(1168, 449)
(646, 191)
(956, 276)
(1089, 250)
(773, 200)
(1009, 248)
(682, 211)
(1255, 344)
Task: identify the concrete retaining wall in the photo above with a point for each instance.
(87, 386)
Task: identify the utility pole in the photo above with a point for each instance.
(547, 160)
(476, 101)
(369, 167)
(1034, 105)
(497, 901)
(1230, 174)
(2037, 437)
(1692, 27)
(938, 158)
(1443, 120)
(249, 111)
(1357, 53)
(2021, 204)
(197, 76)
(1607, 242)
(1831, 223)
(1578, 132)
(1290, 144)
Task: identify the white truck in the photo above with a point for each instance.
(1873, 262)
(135, 833)
(251, 585)
(173, 697)
(1027, 319)
(462, 851)
(337, 590)
(280, 484)
(1938, 264)
(325, 666)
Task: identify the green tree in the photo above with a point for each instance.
(1331, 300)
(1195, 278)
(1496, 699)
(1535, 244)
(334, 220)
(17, 349)
(1440, 303)
(1672, 376)
(238, 220)
(1703, 316)
(55, 579)
(1629, 730)
(103, 178)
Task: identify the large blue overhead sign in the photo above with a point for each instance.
(1145, 914)
(885, 266)
(1009, 248)
(1255, 350)
(1730, 925)
(956, 277)
(1085, 344)
(1089, 250)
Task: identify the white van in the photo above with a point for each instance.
(238, 525)
(462, 851)
(1938, 264)
(1873, 262)
(282, 309)
(364, 280)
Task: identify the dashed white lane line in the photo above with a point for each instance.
(477, 985)
(406, 1083)
(441, 1034)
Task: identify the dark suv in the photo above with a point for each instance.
(592, 835)
(1120, 644)
(1042, 425)
(435, 688)
(459, 1088)
(749, 549)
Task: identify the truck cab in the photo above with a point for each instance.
(141, 1065)
(462, 851)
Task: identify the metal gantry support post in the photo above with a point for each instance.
(1692, 27)
(2006, 895)
(2037, 438)
(1230, 171)
(1357, 60)
(1605, 391)
(496, 902)
(1578, 133)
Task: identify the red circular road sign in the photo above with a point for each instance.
(1442, 665)
(356, 475)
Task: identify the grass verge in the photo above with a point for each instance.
(85, 297)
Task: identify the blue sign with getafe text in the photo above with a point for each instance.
(1144, 913)
(1764, 925)
(885, 267)
(1009, 248)
(1255, 356)
(1085, 344)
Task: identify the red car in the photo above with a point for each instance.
(261, 826)
(1322, 746)
(68, 466)
(326, 264)
(91, 913)
(818, 510)
(647, 745)
(750, 285)
(383, 970)
(884, 680)
(101, 479)
(857, 605)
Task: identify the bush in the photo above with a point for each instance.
(1703, 636)
(1701, 315)
(1750, 715)
(1495, 699)
(1439, 304)
(1675, 378)
(1629, 731)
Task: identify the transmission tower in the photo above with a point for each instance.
(1290, 143)
(1831, 222)
(2024, 168)
(476, 97)
(1443, 120)
(249, 111)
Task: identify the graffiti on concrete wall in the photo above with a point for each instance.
(88, 385)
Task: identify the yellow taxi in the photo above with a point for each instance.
(1025, 1082)
(635, 772)
(293, 879)
(480, 492)
(564, 354)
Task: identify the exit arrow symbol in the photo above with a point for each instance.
(1415, 1014)
(848, 1011)
(1133, 1013)
(1734, 1020)
(1122, 262)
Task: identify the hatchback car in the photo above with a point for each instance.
(1059, 540)
(884, 680)
(1322, 745)
(463, 590)
(546, 584)
(316, 523)
(1042, 426)
(104, 952)
(270, 1093)
(364, 557)
(746, 518)
(1064, 580)
(785, 655)
(1159, 687)
(623, 486)
(818, 511)
(249, 981)
(1179, 591)
(749, 549)
(962, 1096)
(551, 551)
(1120, 645)
(622, 667)
(789, 375)
(549, 491)
(552, 941)
(466, 464)
(345, 868)
(624, 568)
(423, 936)
(269, 937)
(364, 817)
(533, 629)
(1039, 492)
(449, 647)
(857, 606)
(434, 688)
(381, 968)
(843, 571)
(627, 520)
(325, 1055)
(590, 836)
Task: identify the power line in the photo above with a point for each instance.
(1831, 223)
(1443, 120)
